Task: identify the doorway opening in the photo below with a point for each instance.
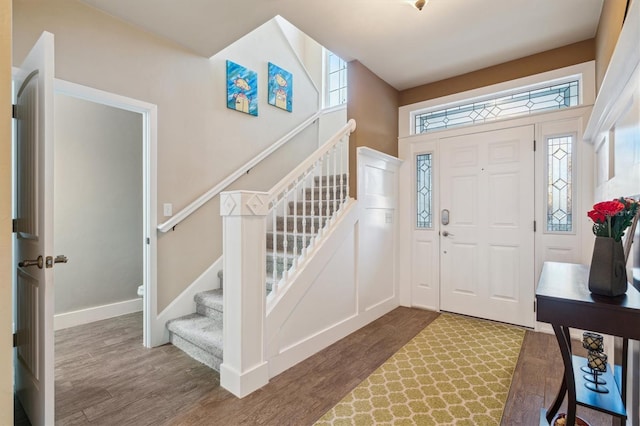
(106, 217)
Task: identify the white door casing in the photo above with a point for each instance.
(487, 249)
(34, 364)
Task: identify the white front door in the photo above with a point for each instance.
(34, 364)
(487, 246)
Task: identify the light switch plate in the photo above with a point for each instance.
(168, 209)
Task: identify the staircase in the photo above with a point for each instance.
(200, 334)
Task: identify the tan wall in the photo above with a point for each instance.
(6, 339)
(374, 105)
(607, 35)
(200, 140)
(529, 65)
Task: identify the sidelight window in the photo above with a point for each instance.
(424, 191)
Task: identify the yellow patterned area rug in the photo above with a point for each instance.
(456, 371)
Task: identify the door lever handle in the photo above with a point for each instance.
(446, 234)
(39, 262)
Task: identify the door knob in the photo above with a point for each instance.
(39, 262)
(446, 234)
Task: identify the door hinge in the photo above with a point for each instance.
(148, 240)
(534, 145)
(14, 225)
(15, 340)
(534, 306)
(535, 226)
(14, 111)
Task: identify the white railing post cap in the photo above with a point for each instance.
(244, 203)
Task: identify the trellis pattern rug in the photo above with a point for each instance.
(456, 371)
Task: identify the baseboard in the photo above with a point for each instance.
(184, 303)
(96, 313)
(242, 384)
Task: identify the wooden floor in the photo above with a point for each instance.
(105, 377)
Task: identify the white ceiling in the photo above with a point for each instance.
(402, 45)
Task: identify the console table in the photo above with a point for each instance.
(564, 301)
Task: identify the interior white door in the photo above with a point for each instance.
(487, 247)
(34, 364)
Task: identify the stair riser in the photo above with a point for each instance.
(306, 226)
(313, 209)
(209, 312)
(196, 352)
(327, 193)
(301, 242)
(330, 179)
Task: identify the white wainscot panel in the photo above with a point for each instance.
(376, 273)
(331, 299)
(465, 272)
(504, 265)
(378, 181)
(501, 185)
(423, 264)
(504, 152)
(464, 204)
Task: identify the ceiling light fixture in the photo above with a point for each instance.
(419, 4)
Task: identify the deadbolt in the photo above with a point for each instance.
(59, 259)
(39, 262)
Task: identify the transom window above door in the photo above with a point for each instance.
(517, 102)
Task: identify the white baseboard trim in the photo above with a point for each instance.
(242, 384)
(96, 313)
(184, 303)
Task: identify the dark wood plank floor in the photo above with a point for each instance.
(105, 377)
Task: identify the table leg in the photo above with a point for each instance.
(568, 385)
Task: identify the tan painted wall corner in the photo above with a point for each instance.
(373, 103)
(565, 56)
(609, 27)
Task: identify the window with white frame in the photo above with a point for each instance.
(335, 80)
(560, 188)
(516, 102)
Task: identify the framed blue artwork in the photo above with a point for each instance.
(280, 87)
(242, 89)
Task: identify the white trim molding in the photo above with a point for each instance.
(96, 313)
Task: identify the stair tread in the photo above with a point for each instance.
(200, 331)
(211, 299)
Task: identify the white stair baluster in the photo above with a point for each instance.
(335, 179)
(320, 186)
(274, 214)
(329, 214)
(294, 249)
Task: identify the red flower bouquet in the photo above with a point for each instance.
(612, 218)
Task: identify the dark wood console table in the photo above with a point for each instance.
(564, 301)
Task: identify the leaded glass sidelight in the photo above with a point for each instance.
(518, 102)
(559, 184)
(424, 191)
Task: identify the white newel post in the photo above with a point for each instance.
(244, 368)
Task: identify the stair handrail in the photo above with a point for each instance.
(241, 171)
(347, 129)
